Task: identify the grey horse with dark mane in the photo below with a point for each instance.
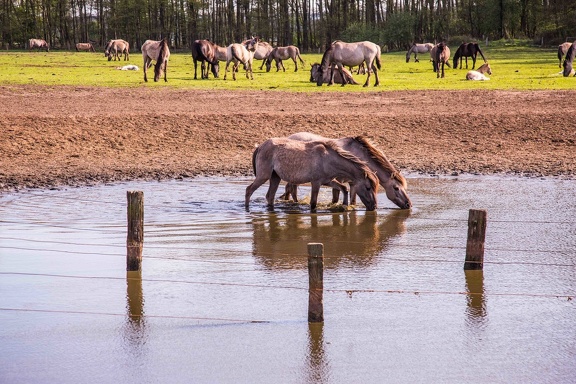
(341, 54)
(441, 57)
(388, 176)
(316, 162)
(156, 51)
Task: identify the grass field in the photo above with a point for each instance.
(514, 67)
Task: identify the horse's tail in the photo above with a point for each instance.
(298, 54)
(160, 61)
(236, 55)
(254, 154)
(477, 46)
(377, 58)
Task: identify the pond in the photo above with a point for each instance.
(223, 296)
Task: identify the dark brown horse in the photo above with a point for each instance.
(569, 60)
(441, 55)
(465, 51)
(283, 53)
(205, 52)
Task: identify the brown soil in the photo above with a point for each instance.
(81, 136)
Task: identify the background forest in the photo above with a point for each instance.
(309, 24)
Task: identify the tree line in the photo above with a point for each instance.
(309, 24)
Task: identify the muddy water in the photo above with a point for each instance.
(223, 296)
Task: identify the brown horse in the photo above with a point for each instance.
(156, 51)
(316, 162)
(85, 47)
(562, 49)
(340, 54)
(465, 51)
(38, 44)
(283, 53)
(117, 47)
(441, 55)
(389, 178)
(348, 79)
(205, 52)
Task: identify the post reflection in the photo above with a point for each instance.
(348, 237)
(318, 368)
(476, 303)
(134, 329)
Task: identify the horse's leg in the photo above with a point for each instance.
(165, 71)
(416, 57)
(375, 69)
(251, 188)
(314, 196)
(272, 188)
(473, 61)
(295, 63)
(466, 58)
(443, 69)
(336, 188)
(369, 66)
(145, 68)
(196, 68)
(331, 82)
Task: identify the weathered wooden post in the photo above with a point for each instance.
(476, 237)
(316, 282)
(135, 237)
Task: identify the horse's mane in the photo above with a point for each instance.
(326, 53)
(380, 159)
(349, 156)
(162, 54)
(571, 53)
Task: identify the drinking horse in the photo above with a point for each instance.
(418, 48)
(316, 162)
(465, 51)
(568, 61)
(389, 178)
(350, 54)
(156, 51)
(205, 52)
(39, 44)
(283, 53)
(117, 47)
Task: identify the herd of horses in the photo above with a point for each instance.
(330, 70)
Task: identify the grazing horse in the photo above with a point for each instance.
(283, 53)
(39, 44)
(562, 49)
(389, 178)
(262, 51)
(465, 51)
(568, 61)
(316, 162)
(241, 53)
(340, 54)
(156, 51)
(85, 47)
(441, 55)
(205, 52)
(117, 47)
(479, 74)
(314, 73)
(418, 48)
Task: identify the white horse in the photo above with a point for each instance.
(38, 43)
(241, 53)
(479, 73)
(419, 48)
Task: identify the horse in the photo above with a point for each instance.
(317, 162)
(389, 178)
(350, 54)
(479, 73)
(314, 73)
(465, 51)
(241, 53)
(205, 52)
(568, 60)
(85, 47)
(441, 55)
(156, 51)
(39, 44)
(117, 47)
(418, 48)
(562, 49)
(262, 51)
(283, 53)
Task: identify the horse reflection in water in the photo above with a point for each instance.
(349, 238)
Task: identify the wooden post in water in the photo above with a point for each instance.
(135, 237)
(476, 237)
(316, 282)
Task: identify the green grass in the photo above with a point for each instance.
(514, 67)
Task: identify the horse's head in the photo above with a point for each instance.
(568, 70)
(269, 63)
(367, 190)
(395, 188)
(314, 72)
(215, 68)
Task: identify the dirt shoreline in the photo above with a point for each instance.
(56, 136)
